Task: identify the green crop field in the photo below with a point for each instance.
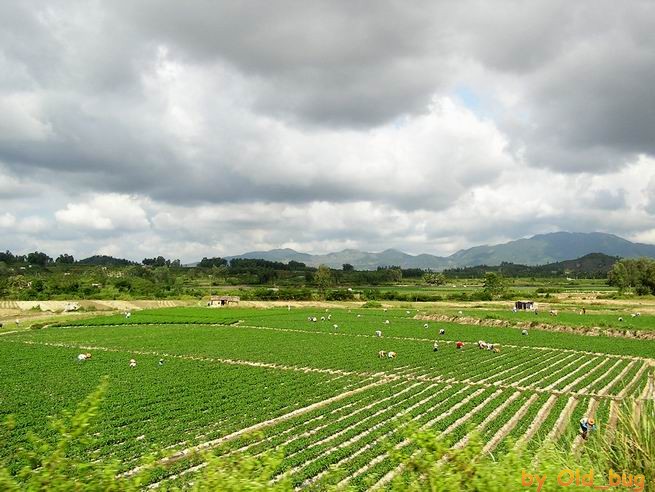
(257, 380)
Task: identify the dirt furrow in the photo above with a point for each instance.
(606, 389)
(590, 412)
(215, 442)
(509, 425)
(534, 426)
(628, 387)
(500, 409)
(391, 474)
(569, 373)
(606, 371)
(547, 368)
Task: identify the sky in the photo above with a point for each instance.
(198, 128)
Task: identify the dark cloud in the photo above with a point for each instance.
(231, 103)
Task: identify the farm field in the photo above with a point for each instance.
(256, 380)
(617, 318)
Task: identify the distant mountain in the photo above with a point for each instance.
(541, 249)
(361, 260)
(550, 248)
(102, 260)
(593, 265)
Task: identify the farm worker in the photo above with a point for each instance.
(132, 363)
(386, 321)
(329, 316)
(497, 350)
(335, 326)
(378, 333)
(161, 362)
(620, 319)
(435, 346)
(460, 345)
(81, 357)
(322, 318)
(482, 344)
(442, 332)
(382, 354)
(127, 315)
(524, 332)
(586, 426)
(584, 310)
(514, 309)
(359, 315)
(88, 356)
(391, 355)
(459, 312)
(314, 319)
(407, 312)
(425, 325)
(17, 321)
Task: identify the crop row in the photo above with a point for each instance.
(149, 405)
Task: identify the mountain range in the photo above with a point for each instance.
(537, 250)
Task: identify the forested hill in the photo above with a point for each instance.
(593, 265)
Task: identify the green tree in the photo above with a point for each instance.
(347, 267)
(38, 258)
(635, 273)
(494, 284)
(323, 278)
(65, 259)
(434, 278)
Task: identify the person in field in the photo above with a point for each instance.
(382, 354)
(132, 363)
(524, 332)
(442, 332)
(81, 357)
(128, 315)
(459, 345)
(587, 425)
(391, 355)
(378, 333)
(482, 344)
(435, 346)
(161, 362)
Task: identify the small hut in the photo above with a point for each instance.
(223, 301)
(524, 305)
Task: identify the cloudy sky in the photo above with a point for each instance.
(208, 128)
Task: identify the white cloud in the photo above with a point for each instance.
(105, 212)
(7, 220)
